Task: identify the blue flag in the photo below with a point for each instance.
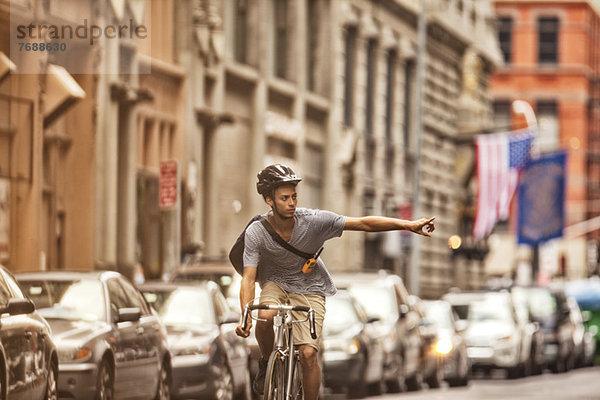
(542, 199)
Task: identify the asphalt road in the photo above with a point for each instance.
(579, 384)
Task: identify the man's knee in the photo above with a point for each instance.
(308, 355)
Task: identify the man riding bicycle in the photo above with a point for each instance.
(281, 274)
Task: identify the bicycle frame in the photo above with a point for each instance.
(284, 337)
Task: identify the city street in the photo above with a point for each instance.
(580, 384)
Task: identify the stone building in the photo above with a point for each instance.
(329, 87)
(84, 130)
(224, 88)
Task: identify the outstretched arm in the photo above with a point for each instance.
(423, 226)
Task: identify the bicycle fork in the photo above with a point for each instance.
(288, 351)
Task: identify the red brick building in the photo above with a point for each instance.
(552, 60)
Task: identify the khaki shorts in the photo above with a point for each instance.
(272, 293)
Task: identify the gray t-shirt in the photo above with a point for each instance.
(311, 229)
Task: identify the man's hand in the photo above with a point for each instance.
(423, 226)
(244, 333)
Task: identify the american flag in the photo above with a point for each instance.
(500, 158)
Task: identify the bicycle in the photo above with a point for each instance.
(283, 376)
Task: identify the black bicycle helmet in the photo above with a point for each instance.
(273, 176)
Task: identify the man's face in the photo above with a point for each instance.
(285, 200)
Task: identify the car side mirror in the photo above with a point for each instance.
(129, 314)
(586, 315)
(19, 306)
(404, 309)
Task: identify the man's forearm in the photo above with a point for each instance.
(381, 224)
(246, 292)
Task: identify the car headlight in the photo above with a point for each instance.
(351, 346)
(444, 346)
(74, 354)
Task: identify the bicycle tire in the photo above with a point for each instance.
(275, 377)
(298, 390)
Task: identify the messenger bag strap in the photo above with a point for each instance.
(282, 242)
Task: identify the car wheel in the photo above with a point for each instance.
(397, 383)
(224, 384)
(104, 385)
(415, 382)
(51, 389)
(163, 391)
(436, 378)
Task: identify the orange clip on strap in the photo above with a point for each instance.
(311, 262)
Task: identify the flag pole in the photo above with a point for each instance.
(524, 108)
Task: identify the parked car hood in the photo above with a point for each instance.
(489, 329)
(178, 335)
(64, 330)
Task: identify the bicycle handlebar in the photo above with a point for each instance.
(280, 307)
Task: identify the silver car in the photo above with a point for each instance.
(110, 343)
(495, 338)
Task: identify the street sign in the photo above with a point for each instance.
(168, 183)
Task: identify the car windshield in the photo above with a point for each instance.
(439, 316)
(182, 306)
(79, 299)
(542, 303)
(489, 310)
(341, 315)
(377, 301)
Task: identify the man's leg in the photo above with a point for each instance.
(264, 332)
(311, 372)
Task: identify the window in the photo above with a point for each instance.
(118, 298)
(312, 192)
(505, 38)
(351, 34)
(280, 36)
(502, 114)
(371, 65)
(389, 109)
(549, 136)
(409, 103)
(369, 104)
(389, 100)
(548, 40)
(136, 299)
(4, 292)
(312, 43)
(241, 30)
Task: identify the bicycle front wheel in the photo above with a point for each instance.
(275, 377)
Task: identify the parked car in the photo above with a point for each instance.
(110, 342)
(587, 294)
(222, 274)
(549, 308)
(494, 337)
(229, 281)
(209, 359)
(534, 336)
(28, 356)
(449, 344)
(431, 360)
(584, 344)
(352, 358)
(384, 297)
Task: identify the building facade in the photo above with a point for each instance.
(85, 130)
(216, 92)
(550, 51)
(330, 88)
